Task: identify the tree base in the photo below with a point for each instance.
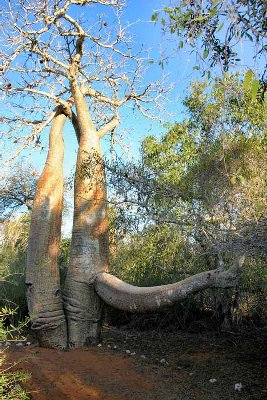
(53, 338)
(84, 333)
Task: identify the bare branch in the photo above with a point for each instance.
(110, 126)
(102, 98)
(127, 297)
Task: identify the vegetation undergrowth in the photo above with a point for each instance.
(12, 304)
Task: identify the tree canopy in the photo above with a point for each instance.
(38, 51)
(214, 29)
(205, 175)
(57, 66)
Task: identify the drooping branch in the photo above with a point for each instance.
(127, 297)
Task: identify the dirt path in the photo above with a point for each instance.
(164, 367)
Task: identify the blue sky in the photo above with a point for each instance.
(179, 68)
(134, 126)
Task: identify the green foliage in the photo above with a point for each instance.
(159, 255)
(13, 258)
(12, 268)
(11, 331)
(13, 262)
(200, 194)
(10, 388)
(176, 145)
(213, 28)
(217, 155)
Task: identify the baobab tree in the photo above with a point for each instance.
(56, 63)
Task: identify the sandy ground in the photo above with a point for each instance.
(148, 365)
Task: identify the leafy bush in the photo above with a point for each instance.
(12, 264)
(10, 388)
(197, 197)
(162, 255)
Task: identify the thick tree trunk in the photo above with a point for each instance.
(42, 274)
(141, 299)
(89, 244)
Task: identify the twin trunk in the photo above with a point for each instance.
(86, 282)
(89, 244)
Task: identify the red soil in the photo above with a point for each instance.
(82, 374)
(161, 367)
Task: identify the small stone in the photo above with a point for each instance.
(8, 344)
(19, 344)
(28, 343)
(114, 347)
(133, 354)
(213, 380)
(238, 387)
(127, 352)
(163, 361)
(99, 345)
(142, 356)
(191, 373)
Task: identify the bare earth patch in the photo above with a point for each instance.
(151, 365)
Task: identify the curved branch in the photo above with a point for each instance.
(111, 125)
(127, 297)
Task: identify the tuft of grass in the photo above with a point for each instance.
(10, 388)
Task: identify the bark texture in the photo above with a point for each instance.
(42, 274)
(126, 297)
(89, 244)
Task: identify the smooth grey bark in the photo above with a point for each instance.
(126, 297)
(42, 273)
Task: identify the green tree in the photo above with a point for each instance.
(86, 72)
(214, 28)
(199, 194)
(206, 175)
(13, 254)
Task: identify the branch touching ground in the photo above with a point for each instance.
(127, 297)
